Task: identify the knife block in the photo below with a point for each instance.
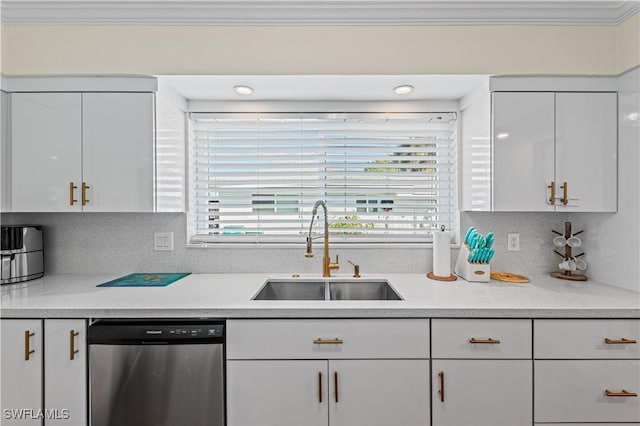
(472, 272)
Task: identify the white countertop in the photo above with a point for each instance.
(229, 296)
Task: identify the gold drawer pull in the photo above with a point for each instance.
(621, 341)
(624, 393)
(27, 349)
(489, 341)
(320, 341)
(72, 348)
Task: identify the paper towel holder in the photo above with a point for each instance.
(433, 276)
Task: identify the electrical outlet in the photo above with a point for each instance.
(513, 241)
(163, 241)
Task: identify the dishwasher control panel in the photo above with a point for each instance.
(159, 331)
(182, 331)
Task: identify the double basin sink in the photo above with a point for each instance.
(299, 289)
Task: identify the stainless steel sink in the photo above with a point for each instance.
(327, 290)
(362, 290)
(291, 290)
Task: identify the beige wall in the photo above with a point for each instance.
(39, 49)
(628, 43)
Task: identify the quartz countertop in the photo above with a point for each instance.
(229, 296)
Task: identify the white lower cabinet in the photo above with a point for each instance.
(65, 372)
(482, 392)
(21, 356)
(587, 391)
(587, 371)
(321, 392)
(328, 372)
(374, 392)
(481, 372)
(277, 393)
(62, 400)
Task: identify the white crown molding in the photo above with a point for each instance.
(317, 12)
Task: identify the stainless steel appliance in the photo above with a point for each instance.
(157, 373)
(21, 253)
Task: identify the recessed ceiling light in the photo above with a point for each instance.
(403, 89)
(243, 90)
(502, 135)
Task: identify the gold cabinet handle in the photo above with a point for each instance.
(489, 341)
(621, 341)
(552, 197)
(320, 341)
(565, 193)
(441, 390)
(320, 387)
(335, 384)
(72, 189)
(85, 200)
(623, 394)
(27, 349)
(72, 347)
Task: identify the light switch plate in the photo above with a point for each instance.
(163, 241)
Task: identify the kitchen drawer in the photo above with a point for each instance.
(586, 339)
(575, 391)
(481, 338)
(298, 339)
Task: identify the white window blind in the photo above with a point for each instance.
(385, 177)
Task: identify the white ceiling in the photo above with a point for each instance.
(318, 12)
(324, 87)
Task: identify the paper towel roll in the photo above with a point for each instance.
(441, 253)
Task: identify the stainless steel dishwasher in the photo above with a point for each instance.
(157, 373)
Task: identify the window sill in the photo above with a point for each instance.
(301, 246)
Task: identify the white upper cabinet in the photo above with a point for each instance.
(554, 151)
(117, 154)
(586, 151)
(46, 151)
(523, 151)
(81, 152)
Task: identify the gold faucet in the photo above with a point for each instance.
(327, 266)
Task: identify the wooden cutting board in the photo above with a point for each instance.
(509, 277)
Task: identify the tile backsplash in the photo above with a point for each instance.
(123, 242)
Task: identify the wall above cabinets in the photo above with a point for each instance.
(552, 146)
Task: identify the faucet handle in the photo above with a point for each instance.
(334, 265)
(356, 269)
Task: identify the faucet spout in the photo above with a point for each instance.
(327, 265)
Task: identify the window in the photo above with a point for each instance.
(385, 177)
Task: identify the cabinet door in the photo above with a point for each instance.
(65, 390)
(46, 147)
(586, 150)
(21, 371)
(379, 392)
(482, 392)
(277, 393)
(587, 391)
(523, 151)
(118, 151)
